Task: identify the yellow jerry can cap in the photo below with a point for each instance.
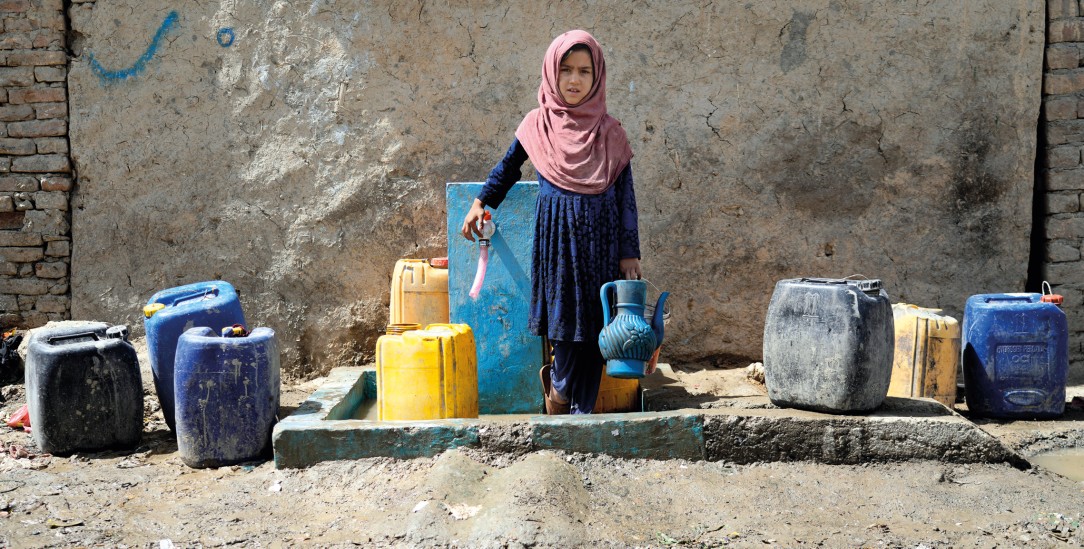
(400, 329)
(149, 310)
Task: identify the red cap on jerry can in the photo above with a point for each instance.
(439, 262)
(1056, 299)
(1049, 296)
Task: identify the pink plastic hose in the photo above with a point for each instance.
(483, 262)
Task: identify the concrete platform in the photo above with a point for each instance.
(749, 429)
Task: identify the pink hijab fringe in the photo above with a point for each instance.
(577, 148)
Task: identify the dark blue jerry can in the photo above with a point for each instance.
(1015, 356)
(169, 313)
(83, 388)
(227, 392)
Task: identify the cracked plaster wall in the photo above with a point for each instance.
(892, 139)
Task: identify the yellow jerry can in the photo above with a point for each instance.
(927, 354)
(419, 291)
(617, 395)
(427, 374)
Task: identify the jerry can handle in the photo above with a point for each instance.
(1024, 298)
(817, 280)
(868, 285)
(68, 338)
(865, 284)
(604, 294)
(198, 294)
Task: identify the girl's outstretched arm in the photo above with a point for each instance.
(505, 174)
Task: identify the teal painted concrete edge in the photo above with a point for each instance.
(914, 431)
(320, 431)
(355, 395)
(648, 435)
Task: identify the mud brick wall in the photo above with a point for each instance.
(1062, 166)
(35, 169)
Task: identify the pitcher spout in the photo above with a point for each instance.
(657, 319)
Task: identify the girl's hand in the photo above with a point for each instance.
(630, 268)
(470, 223)
(652, 364)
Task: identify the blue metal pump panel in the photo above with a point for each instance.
(509, 355)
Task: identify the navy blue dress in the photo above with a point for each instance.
(578, 243)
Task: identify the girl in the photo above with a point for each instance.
(586, 231)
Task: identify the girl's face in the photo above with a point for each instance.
(576, 76)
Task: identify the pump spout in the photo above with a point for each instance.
(488, 229)
(480, 274)
(657, 319)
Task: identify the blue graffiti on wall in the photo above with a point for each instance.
(141, 63)
(225, 37)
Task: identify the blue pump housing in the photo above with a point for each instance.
(509, 355)
(1015, 356)
(227, 391)
(212, 304)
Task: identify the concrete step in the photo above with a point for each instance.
(748, 430)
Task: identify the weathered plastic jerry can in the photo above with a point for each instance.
(927, 354)
(1015, 356)
(419, 291)
(169, 313)
(828, 345)
(227, 391)
(427, 374)
(83, 388)
(617, 395)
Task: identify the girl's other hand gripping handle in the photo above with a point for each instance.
(630, 268)
(470, 223)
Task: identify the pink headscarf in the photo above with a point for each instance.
(577, 148)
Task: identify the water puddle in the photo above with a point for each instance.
(1067, 463)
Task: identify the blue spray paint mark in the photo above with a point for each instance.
(141, 63)
(225, 37)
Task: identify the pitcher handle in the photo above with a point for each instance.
(604, 294)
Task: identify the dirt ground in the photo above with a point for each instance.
(149, 498)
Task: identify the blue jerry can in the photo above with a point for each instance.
(227, 392)
(83, 388)
(170, 312)
(1015, 356)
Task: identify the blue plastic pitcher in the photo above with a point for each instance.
(627, 341)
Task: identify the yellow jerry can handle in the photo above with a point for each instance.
(149, 310)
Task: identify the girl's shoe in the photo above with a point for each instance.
(554, 407)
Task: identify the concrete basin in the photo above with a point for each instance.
(328, 426)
